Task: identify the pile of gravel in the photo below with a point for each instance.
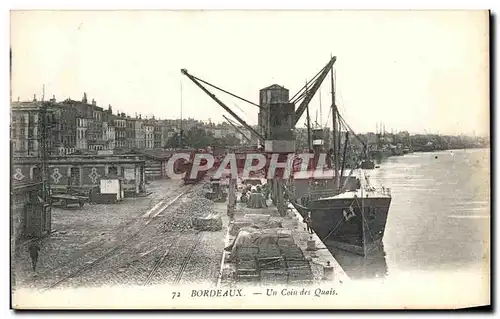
(196, 206)
(210, 222)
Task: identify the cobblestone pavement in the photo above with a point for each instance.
(81, 236)
(94, 248)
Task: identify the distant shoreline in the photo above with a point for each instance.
(450, 149)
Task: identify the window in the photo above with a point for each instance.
(113, 170)
(75, 176)
(37, 176)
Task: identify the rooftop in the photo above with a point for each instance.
(274, 87)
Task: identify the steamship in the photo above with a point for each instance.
(347, 211)
(352, 219)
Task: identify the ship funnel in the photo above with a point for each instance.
(318, 138)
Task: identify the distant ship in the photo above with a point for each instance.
(381, 154)
(397, 150)
(367, 164)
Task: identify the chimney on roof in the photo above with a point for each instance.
(84, 99)
(93, 102)
(34, 97)
(140, 116)
(53, 99)
(110, 110)
(136, 116)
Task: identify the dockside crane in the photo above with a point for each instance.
(198, 81)
(304, 96)
(309, 91)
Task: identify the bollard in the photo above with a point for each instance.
(311, 244)
(328, 271)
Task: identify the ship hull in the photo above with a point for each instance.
(367, 165)
(359, 231)
(379, 156)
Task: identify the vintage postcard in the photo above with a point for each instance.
(250, 159)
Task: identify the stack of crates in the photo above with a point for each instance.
(268, 252)
(271, 263)
(274, 263)
(272, 270)
(292, 252)
(246, 271)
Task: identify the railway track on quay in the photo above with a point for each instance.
(114, 233)
(182, 238)
(122, 248)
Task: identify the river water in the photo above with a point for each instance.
(439, 217)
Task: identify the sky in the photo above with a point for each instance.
(419, 71)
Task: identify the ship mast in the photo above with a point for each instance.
(334, 131)
(309, 144)
(181, 133)
(320, 109)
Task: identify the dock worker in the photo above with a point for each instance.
(244, 196)
(34, 250)
(308, 222)
(329, 157)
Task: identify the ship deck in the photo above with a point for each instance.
(366, 193)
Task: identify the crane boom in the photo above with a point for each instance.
(237, 129)
(224, 106)
(310, 93)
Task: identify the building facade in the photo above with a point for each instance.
(83, 171)
(149, 133)
(89, 122)
(120, 125)
(64, 127)
(108, 129)
(130, 133)
(140, 138)
(81, 133)
(158, 135)
(83, 126)
(27, 127)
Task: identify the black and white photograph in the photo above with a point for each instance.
(250, 159)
